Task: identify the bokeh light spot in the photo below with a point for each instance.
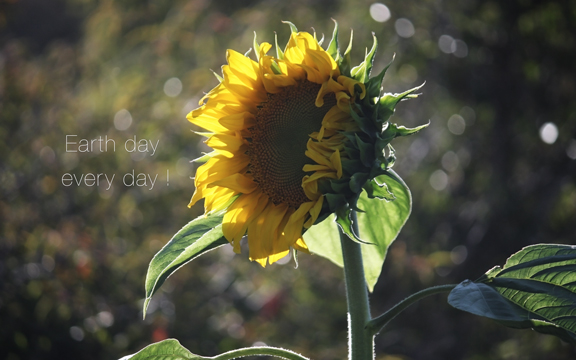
(459, 48)
(77, 333)
(122, 120)
(456, 124)
(173, 87)
(549, 133)
(404, 28)
(105, 319)
(459, 254)
(439, 180)
(571, 149)
(445, 43)
(450, 161)
(379, 12)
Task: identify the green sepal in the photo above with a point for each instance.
(366, 152)
(351, 137)
(357, 182)
(247, 53)
(333, 48)
(393, 131)
(275, 68)
(352, 166)
(293, 27)
(256, 47)
(352, 150)
(344, 221)
(335, 201)
(374, 190)
(205, 157)
(391, 158)
(365, 124)
(388, 102)
(362, 71)
(353, 204)
(340, 186)
(220, 78)
(295, 257)
(374, 85)
(205, 134)
(321, 41)
(279, 52)
(346, 63)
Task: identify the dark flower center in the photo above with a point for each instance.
(278, 141)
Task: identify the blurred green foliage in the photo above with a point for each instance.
(488, 176)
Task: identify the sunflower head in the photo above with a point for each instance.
(296, 136)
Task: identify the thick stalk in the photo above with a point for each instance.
(360, 340)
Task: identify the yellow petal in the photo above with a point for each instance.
(240, 214)
(238, 182)
(218, 199)
(314, 212)
(219, 167)
(227, 145)
(243, 67)
(238, 121)
(336, 163)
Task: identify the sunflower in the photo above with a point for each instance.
(280, 129)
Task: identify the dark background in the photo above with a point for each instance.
(484, 180)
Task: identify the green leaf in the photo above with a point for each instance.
(538, 283)
(169, 349)
(196, 238)
(379, 225)
(333, 48)
(362, 71)
(483, 300)
(323, 240)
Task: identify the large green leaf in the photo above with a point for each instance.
(536, 289)
(197, 237)
(378, 226)
(164, 350)
(172, 350)
(323, 239)
(381, 223)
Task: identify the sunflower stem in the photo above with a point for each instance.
(360, 340)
